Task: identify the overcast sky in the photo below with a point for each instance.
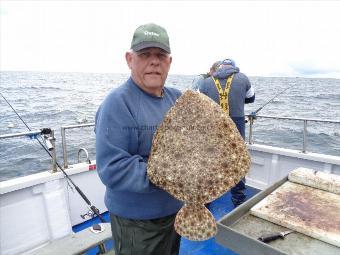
(265, 38)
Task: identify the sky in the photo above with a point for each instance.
(264, 38)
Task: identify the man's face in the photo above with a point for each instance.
(149, 68)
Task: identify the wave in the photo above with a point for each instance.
(328, 96)
(56, 99)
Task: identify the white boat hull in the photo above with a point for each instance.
(39, 208)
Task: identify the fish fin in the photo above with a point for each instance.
(195, 222)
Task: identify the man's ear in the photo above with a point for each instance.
(128, 58)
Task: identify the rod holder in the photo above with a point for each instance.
(50, 144)
(304, 144)
(251, 122)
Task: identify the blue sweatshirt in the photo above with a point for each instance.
(125, 124)
(241, 92)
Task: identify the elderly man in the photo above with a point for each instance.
(231, 89)
(142, 215)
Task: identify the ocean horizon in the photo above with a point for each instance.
(55, 99)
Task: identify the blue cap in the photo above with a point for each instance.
(228, 61)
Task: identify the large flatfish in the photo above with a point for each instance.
(197, 155)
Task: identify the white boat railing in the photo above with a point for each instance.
(29, 134)
(251, 118)
(63, 139)
(48, 142)
(304, 120)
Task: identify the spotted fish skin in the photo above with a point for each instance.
(195, 222)
(197, 155)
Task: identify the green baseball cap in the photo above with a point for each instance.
(150, 35)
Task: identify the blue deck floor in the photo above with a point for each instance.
(219, 208)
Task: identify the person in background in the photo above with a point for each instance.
(231, 89)
(142, 215)
(201, 77)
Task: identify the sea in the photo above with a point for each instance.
(53, 100)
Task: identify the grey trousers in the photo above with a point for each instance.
(145, 237)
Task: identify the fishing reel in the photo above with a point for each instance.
(48, 137)
(89, 214)
(251, 117)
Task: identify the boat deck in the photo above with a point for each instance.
(219, 208)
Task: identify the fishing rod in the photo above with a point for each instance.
(94, 209)
(253, 114)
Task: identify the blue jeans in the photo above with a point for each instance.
(238, 192)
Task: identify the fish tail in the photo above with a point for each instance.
(195, 222)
